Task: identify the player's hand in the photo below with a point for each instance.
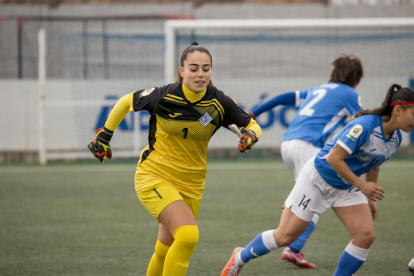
(252, 115)
(373, 207)
(372, 191)
(100, 145)
(247, 138)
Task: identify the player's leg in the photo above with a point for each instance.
(165, 240)
(295, 154)
(358, 220)
(295, 218)
(180, 221)
(160, 199)
(289, 229)
(292, 252)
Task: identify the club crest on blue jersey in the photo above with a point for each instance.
(206, 119)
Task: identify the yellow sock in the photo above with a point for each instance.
(178, 257)
(156, 264)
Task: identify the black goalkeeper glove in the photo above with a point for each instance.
(247, 138)
(100, 145)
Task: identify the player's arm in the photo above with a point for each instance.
(289, 98)
(372, 176)
(100, 145)
(336, 158)
(246, 128)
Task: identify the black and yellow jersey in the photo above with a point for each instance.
(179, 132)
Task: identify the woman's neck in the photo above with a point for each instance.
(389, 128)
(192, 96)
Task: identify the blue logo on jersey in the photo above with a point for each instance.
(206, 119)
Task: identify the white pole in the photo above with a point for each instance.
(42, 96)
(169, 52)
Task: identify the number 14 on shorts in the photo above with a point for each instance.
(304, 202)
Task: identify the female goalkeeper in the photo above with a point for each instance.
(331, 179)
(170, 174)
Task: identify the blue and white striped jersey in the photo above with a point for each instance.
(322, 110)
(364, 140)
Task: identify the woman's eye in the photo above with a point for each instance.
(193, 70)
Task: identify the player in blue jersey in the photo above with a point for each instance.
(331, 180)
(322, 110)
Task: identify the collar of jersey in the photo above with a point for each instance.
(191, 96)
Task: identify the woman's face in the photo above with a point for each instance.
(405, 119)
(196, 72)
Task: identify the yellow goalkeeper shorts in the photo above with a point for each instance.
(160, 195)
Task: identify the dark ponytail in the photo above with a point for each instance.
(396, 94)
(347, 70)
(190, 49)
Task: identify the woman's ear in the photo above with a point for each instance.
(181, 70)
(398, 110)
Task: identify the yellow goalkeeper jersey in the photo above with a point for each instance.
(179, 133)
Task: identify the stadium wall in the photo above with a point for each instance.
(71, 127)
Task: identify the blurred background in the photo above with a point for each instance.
(64, 64)
(98, 51)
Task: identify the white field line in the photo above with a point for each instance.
(131, 168)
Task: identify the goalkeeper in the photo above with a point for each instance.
(170, 175)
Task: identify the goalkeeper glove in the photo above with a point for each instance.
(100, 145)
(247, 138)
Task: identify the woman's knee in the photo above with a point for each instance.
(366, 237)
(187, 234)
(284, 238)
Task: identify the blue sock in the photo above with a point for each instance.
(297, 245)
(259, 246)
(348, 265)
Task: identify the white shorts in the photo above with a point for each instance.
(312, 194)
(295, 153)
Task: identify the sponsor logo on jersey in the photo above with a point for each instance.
(146, 92)
(206, 119)
(174, 115)
(364, 159)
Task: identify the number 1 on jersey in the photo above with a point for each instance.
(185, 132)
(307, 111)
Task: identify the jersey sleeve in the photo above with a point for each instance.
(288, 98)
(118, 113)
(146, 99)
(354, 136)
(354, 104)
(300, 97)
(233, 114)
